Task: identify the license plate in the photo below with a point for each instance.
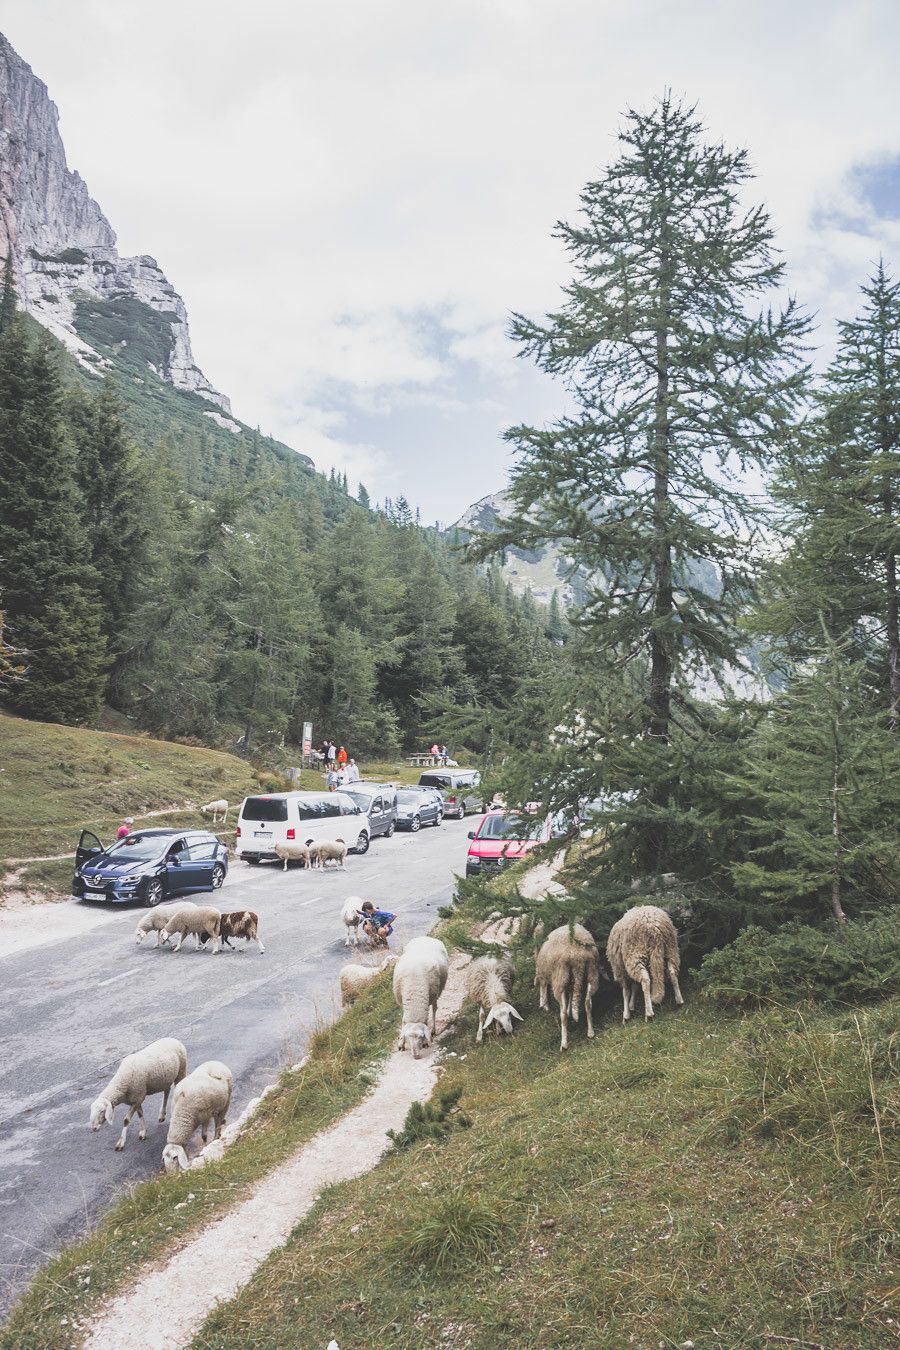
(95, 895)
(262, 834)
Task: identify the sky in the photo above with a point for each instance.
(353, 196)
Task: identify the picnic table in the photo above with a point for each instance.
(423, 761)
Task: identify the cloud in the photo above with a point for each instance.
(353, 197)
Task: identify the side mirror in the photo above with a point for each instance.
(471, 834)
(174, 861)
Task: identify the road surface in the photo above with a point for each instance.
(71, 1009)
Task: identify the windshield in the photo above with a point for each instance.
(135, 849)
(510, 827)
(362, 799)
(264, 808)
(438, 780)
(409, 798)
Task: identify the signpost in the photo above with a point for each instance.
(306, 746)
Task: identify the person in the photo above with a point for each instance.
(352, 772)
(125, 828)
(331, 752)
(377, 924)
(342, 757)
(331, 778)
(445, 754)
(435, 750)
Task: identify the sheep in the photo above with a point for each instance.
(419, 979)
(293, 853)
(204, 1096)
(156, 1068)
(350, 918)
(322, 854)
(642, 949)
(355, 978)
(204, 919)
(568, 963)
(157, 918)
(240, 923)
(213, 809)
(490, 980)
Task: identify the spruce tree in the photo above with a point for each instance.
(362, 497)
(679, 390)
(49, 586)
(8, 298)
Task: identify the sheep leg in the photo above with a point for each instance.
(120, 1142)
(142, 1132)
(648, 1002)
(545, 1002)
(434, 1019)
(673, 978)
(220, 1121)
(284, 869)
(177, 947)
(588, 1005)
(204, 1129)
(214, 943)
(480, 1033)
(564, 1023)
(262, 950)
(626, 1001)
(165, 1103)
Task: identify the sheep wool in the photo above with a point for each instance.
(350, 919)
(642, 949)
(156, 919)
(419, 979)
(354, 979)
(568, 965)
(293, 853)
(157, 1068)
(204, 920)
(201, 1099)
(489, 982)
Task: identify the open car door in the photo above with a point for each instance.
(88, 846)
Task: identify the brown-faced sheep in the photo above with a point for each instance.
(568, 965)
(642, 949)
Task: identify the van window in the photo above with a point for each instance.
(264, 808)
(347, 808)
(437, 780)
(311, 810)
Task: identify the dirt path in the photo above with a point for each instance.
(166, 1307)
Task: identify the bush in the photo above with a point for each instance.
(431, 1121)
(856, 963)
(457, 1229)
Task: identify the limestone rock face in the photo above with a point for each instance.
(64, 248)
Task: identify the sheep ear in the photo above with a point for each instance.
(515, 1014)
(108, 1113)
(489, 1019)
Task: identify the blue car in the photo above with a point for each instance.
(149, 866)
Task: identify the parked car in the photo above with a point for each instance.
(379, 802)
(415, 809)
(148, 865)
(299, 818)
(458, 787)
(502, 838)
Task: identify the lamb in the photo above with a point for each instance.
(490, 981)
(569, 963)
(156, 1068)
(293, 853)
(213, 809)
(354, 979)
(204, 1096)
(419, 979)
(642, 949)
(156, 919)
(322, 854)
(204, 919)
(350, 918)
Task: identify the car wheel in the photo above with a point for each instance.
(389, 831)
(462, 811)
(251, 860)
(438, 818)
(362, 843)
(414, 824)
(154, 893)
(218, 876)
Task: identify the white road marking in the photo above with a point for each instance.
(124, 975)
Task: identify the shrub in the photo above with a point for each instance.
(456, 1229)
(856, 963)
(431, 1121)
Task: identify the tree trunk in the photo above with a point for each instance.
(836, 905)
(893, 623)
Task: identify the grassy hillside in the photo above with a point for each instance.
(56, 780)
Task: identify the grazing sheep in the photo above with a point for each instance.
(204, 919)
(569, 964)
(490, 980)
(350, 918)
(419, 979)
(241, 923)
(156, 919)
(154, 1069)
(642, 949)
(293, 853)
(213, 809)
(354, 979)
(322, 854)
(203, 1097)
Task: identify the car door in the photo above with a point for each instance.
(89, 846)
(377, 819)
(178, 869)
(203, 860)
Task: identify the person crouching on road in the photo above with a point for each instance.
(377, 924)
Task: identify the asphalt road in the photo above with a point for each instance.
(71, 1009)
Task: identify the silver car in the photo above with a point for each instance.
(416, 808)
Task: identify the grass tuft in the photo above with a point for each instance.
(454, 1230)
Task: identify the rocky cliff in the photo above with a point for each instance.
(69, 275)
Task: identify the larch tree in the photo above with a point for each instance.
(681, 388)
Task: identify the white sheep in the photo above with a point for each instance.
(351, 920)
(568, 964)
(205, 919)
(354, 979)
(293, 853)
(322, 854)
(213, 809)
(156, 1068)
(419, 979)
(200, 1099)
(642, 949)
(156, 919)
(489, 981)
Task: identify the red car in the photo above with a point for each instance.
(502, 838)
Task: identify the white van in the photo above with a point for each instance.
(298, 818)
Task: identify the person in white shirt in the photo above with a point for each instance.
(352, 772)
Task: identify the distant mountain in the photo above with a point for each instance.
(540, 570)
(115, 315)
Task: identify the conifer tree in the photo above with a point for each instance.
(48, 584)
(8, 298)
(555, 629)
(680, 387)
(362, 497)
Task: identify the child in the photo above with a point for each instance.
(377, 924)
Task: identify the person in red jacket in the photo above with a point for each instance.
(342, 757)
(125, 828)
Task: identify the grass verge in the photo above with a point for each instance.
(156, 1214)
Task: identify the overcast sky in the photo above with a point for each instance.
(351, 196)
